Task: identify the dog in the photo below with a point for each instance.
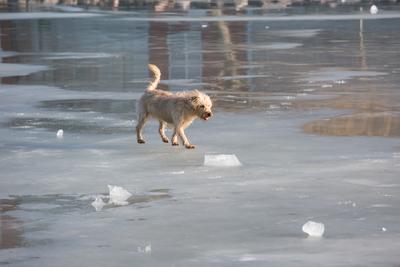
(178, 110)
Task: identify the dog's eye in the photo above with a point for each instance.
(201, 106)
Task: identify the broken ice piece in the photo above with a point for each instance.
(340, 82)
(118, 195)
(373, 10)
(384, 229)
(146, 249)
(314, 228)
(60, 133)
(98, 204)
(221, 160)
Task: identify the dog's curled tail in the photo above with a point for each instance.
(156, 77)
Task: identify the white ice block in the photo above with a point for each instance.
(373, 10)
(221, 160)
(60, 133)
(145, 249)
(118, 195)
(314, 228)
(98, 204)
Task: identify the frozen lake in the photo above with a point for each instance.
(306, 128)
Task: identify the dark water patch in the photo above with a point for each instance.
(382, 124)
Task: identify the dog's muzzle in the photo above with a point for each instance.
(206, 115)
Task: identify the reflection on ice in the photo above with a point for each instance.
(367, 124)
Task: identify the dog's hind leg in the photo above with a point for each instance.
(141, 121)
(174, 140)
(161, 130)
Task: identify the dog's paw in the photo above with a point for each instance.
(190, 146)
(165, 140)
(141, 141)
(175, 144)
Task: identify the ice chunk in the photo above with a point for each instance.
(60, 133)
(221, 160)
(384, 229)
(98, 204)
(145, 249)
(118, 195)
(373, 10)
(314, 228)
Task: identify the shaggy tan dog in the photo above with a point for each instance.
(178, 110)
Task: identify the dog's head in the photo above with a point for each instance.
(201, 104)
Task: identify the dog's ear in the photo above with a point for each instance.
(194, 99)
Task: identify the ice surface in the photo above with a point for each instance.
(10, 69)
(4, 54)
(222, 160)
(339, 75)
(67, 8)
(118, 195)
(314, 229)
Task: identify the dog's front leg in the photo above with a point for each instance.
(185, 141)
